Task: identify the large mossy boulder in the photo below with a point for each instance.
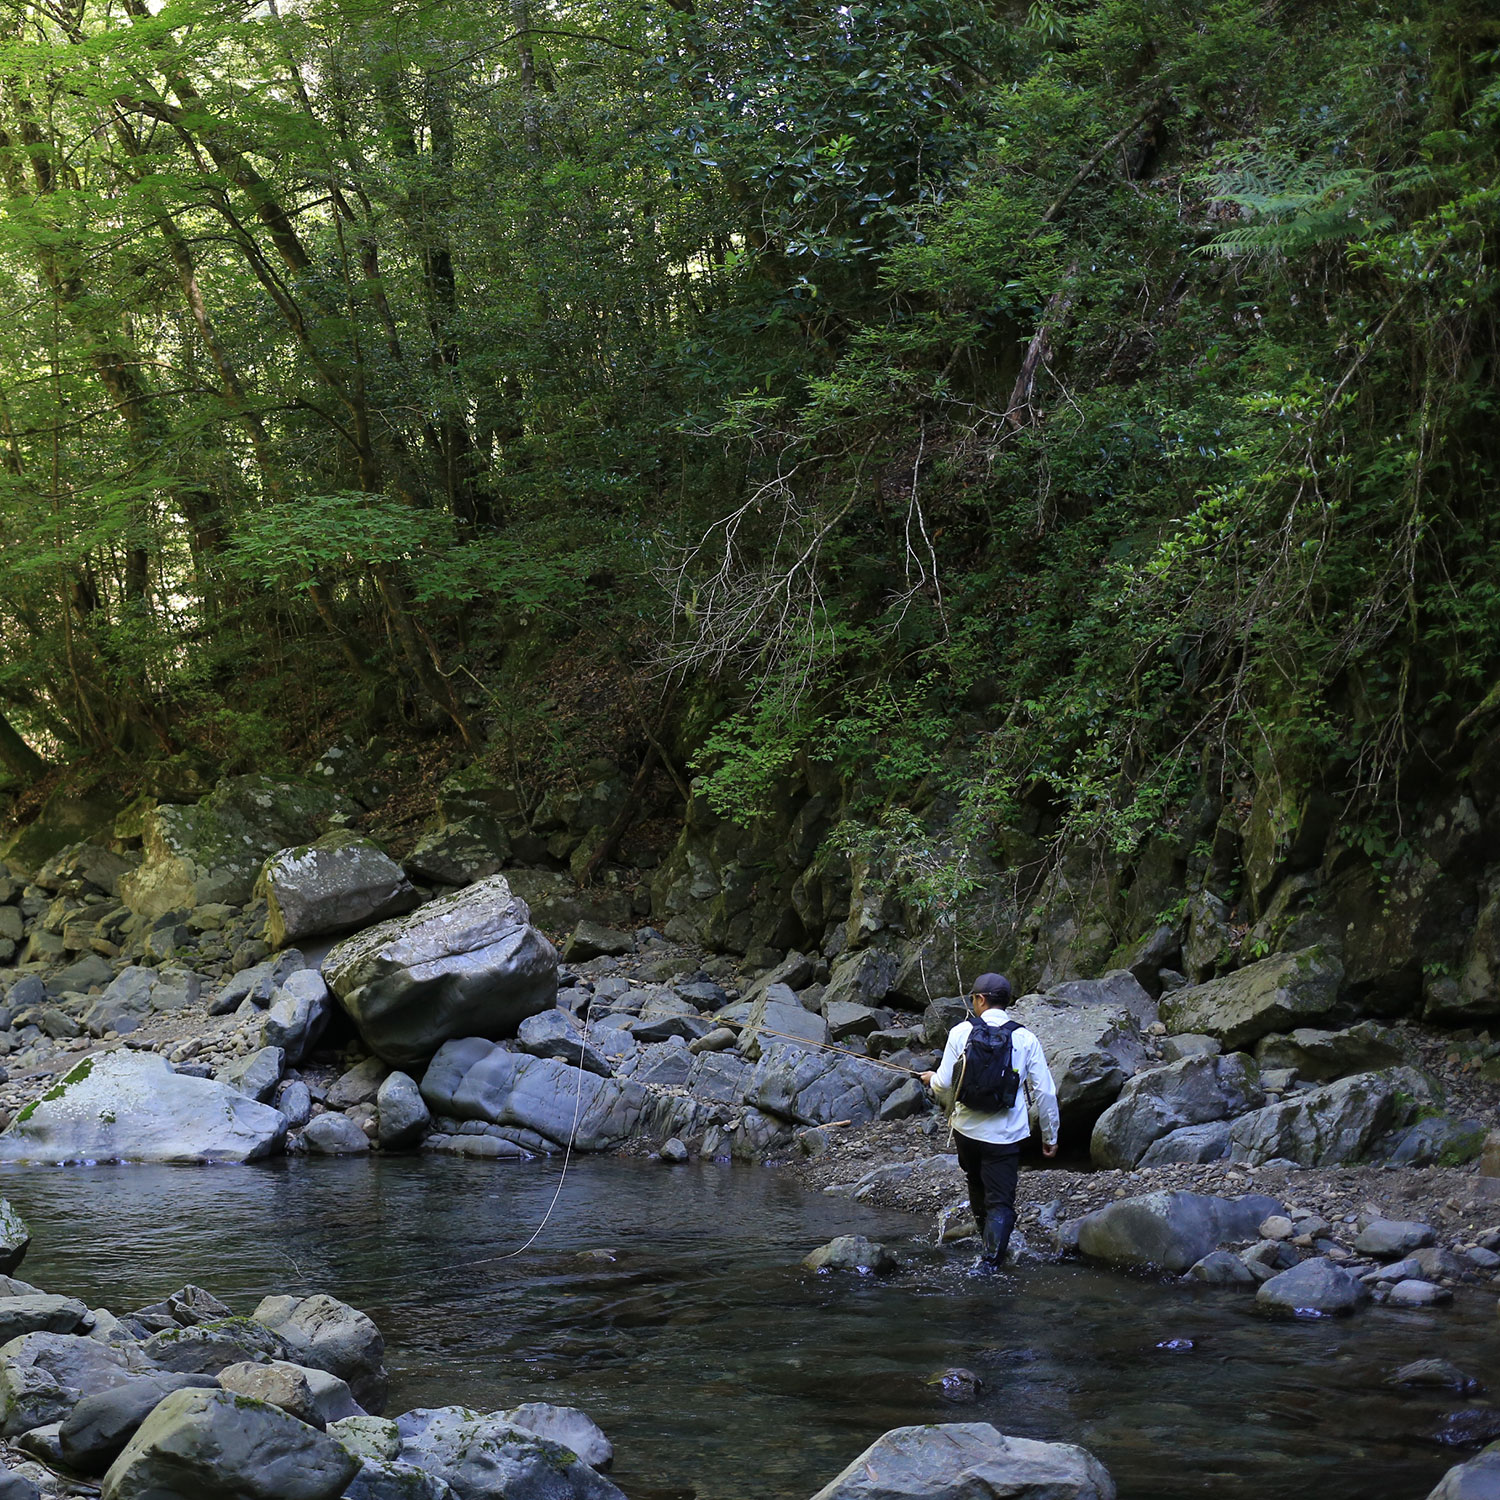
(212, 851)
(969, 1461)
(1192, 1091)
(1332, 1125)
(67, 817)
(132, 1106)
(1169, 1231)
(1276, 994)
(338, 882)
(468, 965)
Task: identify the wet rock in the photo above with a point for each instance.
(334, 1134)
(1390, 1239)
(1415, 1293)
(958, 1387)
(1326, 1055)
(491, 1458)
(1169, 1230)
(403, 1115)
(38, 1312)
(1273, 995)
(1469, 1428)
(1479, 1479)
(92, 1435)
(1327, 1126)
(674, 1151)
(1220, 1268)
(957, 1460)
(15, 1238)
(566, 1425)
(554, 1033)
(330, 1335)
(1315, 1285)
(336, 883)
(44, 1375)
(132, 1106)
(852, 1252)
(218, 1443)
(467, 965)
(1195, 1091)
(1435, 1375)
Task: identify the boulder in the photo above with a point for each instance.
(333, 884)
(282, 1384)
(14, 1238)
(403, 1115)
(1091, 1031)
(1392, 1239)
(862, 978)
(779, 1011)
(547, 1096)
(137, 992)
(390, 1479)
(1220, 1268)
(814, 1088)
(334, 1134)
(226, 1445)
(255, 1075)
(132, 1106)
(39, 1312)
(1433, 1140)
(848, 1018)
(594, 940)
(296, 1015)
(206, 1348)
(491, 1458)
(84, 864)
(212, 851)
(44, 1375)
(969, 1461)
(1194, 1091)
(1273, 995)
(554, 1033)
(1324, 1127)
(1169, 1230)
(257, 983)
(330, 1335)
(852, 1252)
(1315, 1285)
(1322, 1056)
(93, 1433)
(1190, 1145)
(1412, 1292)
(1479, 1479)
(459, 853)
(467, 965)
(573, 1429)
(358, 1085)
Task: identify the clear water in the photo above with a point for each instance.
(724, 1372)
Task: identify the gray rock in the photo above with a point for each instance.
(1188, 1044)
(1169, 1230)
(848, 1018)
(720, 1039)
(15, 1238)
(1391, 1239)
(334, 1134)
(1316, 1285)
(906, 1099)
(132, 1106)
(257, 983)
(206, 1348)
(574, 1430)
(255, 1075)
(1325, 1055)
(1327, 1126)
(448, 1068)
(460, 852)
(719, 1079)
(1479, 1479)
(1220, 1268)
(359, 1085)
(779, 1011)
(368, 1437)
(491, 1458)
(544, 1095)
(1092, 1034)
(337, 882)
(1273, 995)
(667, 1066)
(815, 1088)
(297, 1015)
(1433, 1140)
(91, 1436)
(44, 1375)
(862, 978)
(674, 1151)
(14, 1486)
(1195, 1091)
(330, 1335)
(279, 1382)
(969, 1461)
(594, 940)
(38, 1312)
(1435, 1375)
(217, 1443)
(404, 1117)
(852, 1252)
(554, 1033)
(295, 1102)
(467, 965)
(1413, 1293)
(390, 1479)
(1191, 1144)
(188, 1306)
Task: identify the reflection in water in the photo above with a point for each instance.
(720, 1369)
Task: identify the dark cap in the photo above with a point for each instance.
(992, 986)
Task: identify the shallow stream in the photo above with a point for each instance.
(724, 1372)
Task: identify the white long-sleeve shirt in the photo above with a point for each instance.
(1028, 1059)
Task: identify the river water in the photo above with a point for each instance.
(719, 1368)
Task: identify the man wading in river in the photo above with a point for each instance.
(997, 1064)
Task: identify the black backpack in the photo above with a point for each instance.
(989, 1082)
